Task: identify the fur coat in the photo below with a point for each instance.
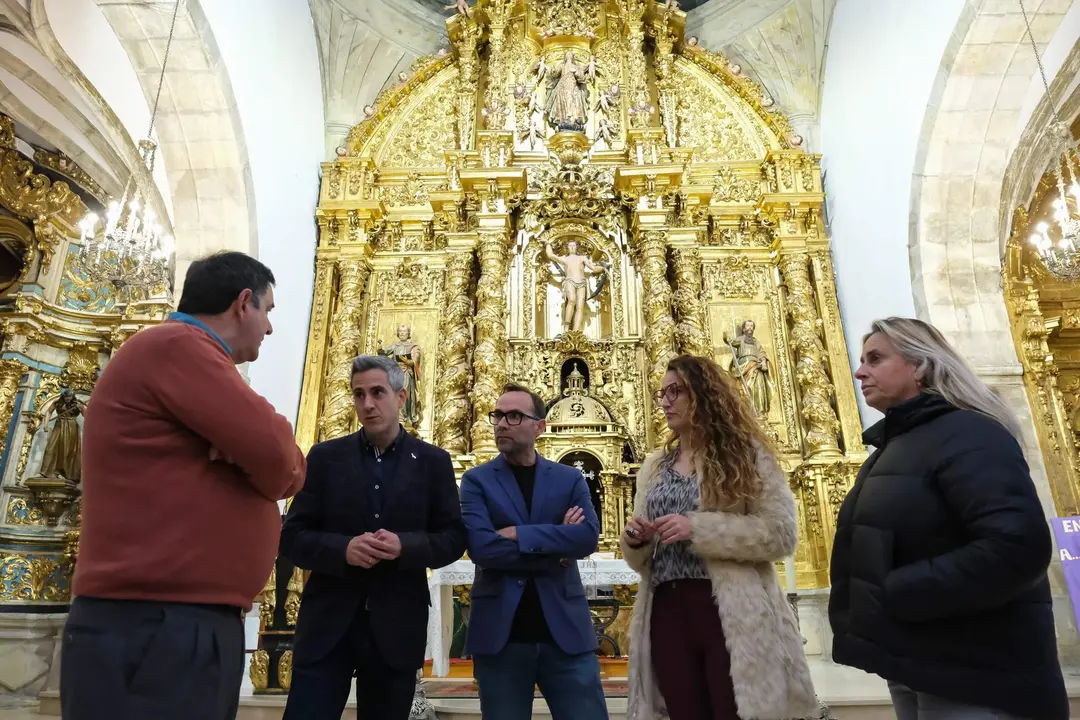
(768, 665)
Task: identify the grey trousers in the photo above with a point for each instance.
(127, 660)
(911, 705)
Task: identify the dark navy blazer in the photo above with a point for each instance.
(491, 500)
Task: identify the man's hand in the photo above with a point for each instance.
(362, 551)
(508, 532)
(387, 545)
(574, 516)
(673, 528)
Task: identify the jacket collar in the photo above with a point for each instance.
(906, 416)
(505, 474)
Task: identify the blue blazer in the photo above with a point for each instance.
(491, 500)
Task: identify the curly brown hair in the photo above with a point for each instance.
(723, 431)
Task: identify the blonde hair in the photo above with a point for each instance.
(723, 432)
(941, 370)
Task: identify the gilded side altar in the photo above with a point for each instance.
(677, 205)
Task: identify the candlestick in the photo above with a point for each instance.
(790, 580)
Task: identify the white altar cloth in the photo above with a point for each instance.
(595, 572)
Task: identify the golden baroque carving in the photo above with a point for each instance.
(81, 370)
(22, 511)
(25, 578)
(268, 599)
(61, 163)
(651, 250)
(259, 670)
(293, 593)
(33, 196)
(817, 390)
(730, 187)
(7, 132)
(455, 334)
(412, 283)
(345, 345)
(11, 371)
(707, 124)
(490, 355)
(411, 192)
(690, 331)
(284, 670)
(734, 276)
(426, 132)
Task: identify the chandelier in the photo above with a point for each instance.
(128, 248)
(1058, 246)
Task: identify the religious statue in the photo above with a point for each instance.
(575, 286)
(407, 355)
(63, 451)
(461, 7)
(567, 102)
(750, 367)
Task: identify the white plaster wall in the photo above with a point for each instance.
(882, 62)
(90, 42)
(273, 64)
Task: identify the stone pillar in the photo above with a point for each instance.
(490, 356)
(690, 331)
(455, 342)
(345, 339)
(650, 247)
(819, 416)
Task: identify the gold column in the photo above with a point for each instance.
(307, 421)
(817, 391)
(611, 528)
(497, 77)
(639, 109)
(11, 371)
(489, 358)
(345, 341)
(690, 332)
(651, 250)
(466, 96)
(455, 381)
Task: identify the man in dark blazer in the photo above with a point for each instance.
(378, 508)
(528, 520)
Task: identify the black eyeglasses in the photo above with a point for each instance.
(671, 392)
(514, 417)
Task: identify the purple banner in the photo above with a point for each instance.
(1067, 535)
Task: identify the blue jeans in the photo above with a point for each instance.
(569, 683)
(911, 705)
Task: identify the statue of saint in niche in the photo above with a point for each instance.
(750, 367)
(575, 287)
(63, 450)
(407, 355)
(567, 102)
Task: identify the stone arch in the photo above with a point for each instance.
(201, 138)
(956, 232)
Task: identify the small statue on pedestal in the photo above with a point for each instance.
(575, 287)
(567, 102)
(63, 451)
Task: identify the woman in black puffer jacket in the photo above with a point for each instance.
(939, 564)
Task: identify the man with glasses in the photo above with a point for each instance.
(528, 519)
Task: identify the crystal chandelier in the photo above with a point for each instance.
(129, 248)
(1058, 245)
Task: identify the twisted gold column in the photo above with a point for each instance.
(345, 345)
(489, 358)
(455, 381)
(690, 331)
(821, 424)
(656, 304)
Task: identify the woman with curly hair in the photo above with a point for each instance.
(712, 635)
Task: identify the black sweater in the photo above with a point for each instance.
(939, 564)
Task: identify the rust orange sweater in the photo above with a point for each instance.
(160, 520)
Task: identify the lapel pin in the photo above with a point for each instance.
(413, 455)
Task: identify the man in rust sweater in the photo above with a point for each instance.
(183, 468)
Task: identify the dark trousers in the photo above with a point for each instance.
(689, 654)
(129, 660)
(569, 683)
(320, 689)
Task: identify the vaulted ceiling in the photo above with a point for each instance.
(365, 45)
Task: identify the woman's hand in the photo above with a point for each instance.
(673, 528)
(638, 532)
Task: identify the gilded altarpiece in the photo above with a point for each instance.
(57, 329)
(568, 198)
